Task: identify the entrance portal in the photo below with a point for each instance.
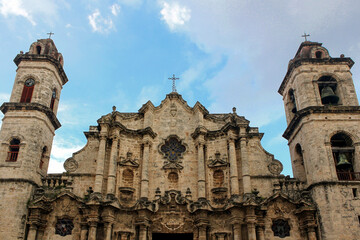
(172, 236)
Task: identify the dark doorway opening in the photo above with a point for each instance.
(172, 236)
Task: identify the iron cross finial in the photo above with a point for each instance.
(305, 36)
(173, 78)
(50, 33)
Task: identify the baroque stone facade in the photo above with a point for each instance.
(180, 172)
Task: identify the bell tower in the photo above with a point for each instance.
(323, 133)
(27, 132)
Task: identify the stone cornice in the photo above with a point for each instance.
(303, 61)
(141, 132)
(317, 109)
(34, 107)
(37, 57)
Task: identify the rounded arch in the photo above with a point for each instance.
(34, 48)
(343, 151)
(53, 98)
(328, 90)
(292, 101)
(13, 151)
(329, 135)
(324, 52)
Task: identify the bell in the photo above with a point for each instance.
(328, 96)
(343, 161)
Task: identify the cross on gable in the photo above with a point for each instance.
(305, 36)
(50, 33)
(173, 78)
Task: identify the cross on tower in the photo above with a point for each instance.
(50, 33)
(305, 35)
(173, 78)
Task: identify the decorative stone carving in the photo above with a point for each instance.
(128, 161)
(71, 165)
(172, 149)
(275, 167)
(218, 161)
(173, 110)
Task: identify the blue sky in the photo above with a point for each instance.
(226, 53)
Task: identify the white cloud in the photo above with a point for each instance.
(175, 15)
(68, 25)
(61, 150)
(15, 7)
(56, 167)
(149, 92)
(115, 9)
(4, 97)
(100, 24)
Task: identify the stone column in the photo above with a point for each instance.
(234, 177)
(100, 164)
(108, 228)
(311, 233)
(201, 171)
(32, 232)
(143, 232)
(92, 230)
(250, 221)
(83, 232)
(261, 232)
(144, 189)
(112, 165)
(237, 230)
(220, 236)
(202, 232)
(245, 166)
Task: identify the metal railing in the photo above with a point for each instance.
(348, 176)
(12, 156)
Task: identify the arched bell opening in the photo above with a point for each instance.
(328, 90)
(298, 163)
(292, 101)
(343, 154)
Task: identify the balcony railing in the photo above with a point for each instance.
(348, 176)
(12, 156)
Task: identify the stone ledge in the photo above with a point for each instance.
(317, 109)
(34, 107)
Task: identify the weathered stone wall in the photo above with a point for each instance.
(14, 199)
(338, 210)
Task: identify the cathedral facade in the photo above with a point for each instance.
(179, 172)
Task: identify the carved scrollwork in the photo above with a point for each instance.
(71, 165)
(275, 167)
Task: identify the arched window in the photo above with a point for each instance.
(128, 177)
(343, 152)
(13, 150)
(318, 54)
(27, 91)
(38, 49)
(327, 88)
(43, 156)
(53, 97)
(292, 101)
(218, 178)
(299, 168)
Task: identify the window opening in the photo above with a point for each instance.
(42, 159)
(38, 49)
(292, 101)
(327, 88)
(27, 91)
(355, 193)
(281, 228)
(13, 150)
(172, 149)
(64, 227)
(53, 97)
(343, 153)
(318, 54)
